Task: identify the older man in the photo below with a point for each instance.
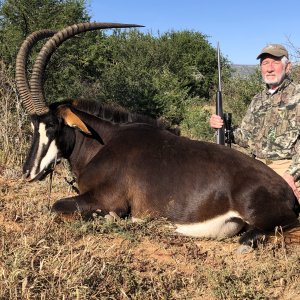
(270, 128)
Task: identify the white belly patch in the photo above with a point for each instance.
(222, 226)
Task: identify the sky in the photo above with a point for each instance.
(242, 27)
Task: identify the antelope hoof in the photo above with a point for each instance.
(112, 217)
(244, 249)
(65, 206)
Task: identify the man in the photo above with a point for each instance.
(270, 128)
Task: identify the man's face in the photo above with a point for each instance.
(273, 70)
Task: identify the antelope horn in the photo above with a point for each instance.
(21, 66)
(36, 81)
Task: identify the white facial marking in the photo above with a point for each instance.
(217, 228)
(50, 155)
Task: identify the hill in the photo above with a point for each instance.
(244, 70)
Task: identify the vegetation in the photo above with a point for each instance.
(44, 257)
(171, 76)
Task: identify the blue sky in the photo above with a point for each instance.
(242, 27)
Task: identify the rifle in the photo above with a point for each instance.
(219, 105)
(229, 137)
(225, 133)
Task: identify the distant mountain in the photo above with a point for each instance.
(243, 70)
(246, 70)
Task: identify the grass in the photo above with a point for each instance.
(44, 257)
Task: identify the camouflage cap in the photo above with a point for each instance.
(275, 50)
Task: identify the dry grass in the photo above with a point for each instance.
(42, 257)
(13, 121)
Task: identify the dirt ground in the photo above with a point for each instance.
(44, 257)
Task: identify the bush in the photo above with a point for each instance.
(195, 123)
(238, 92)
(13, 137)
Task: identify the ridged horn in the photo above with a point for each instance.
(36, 82)
(21, 67)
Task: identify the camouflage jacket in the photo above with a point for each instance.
(271, 126)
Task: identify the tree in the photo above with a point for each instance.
(18, 18)
(238, 93)
(157, 75)
(66, 68)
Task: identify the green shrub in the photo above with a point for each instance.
(195, 123)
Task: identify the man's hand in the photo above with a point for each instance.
(290, 180)
(216, 122)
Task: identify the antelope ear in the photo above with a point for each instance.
(72, 119)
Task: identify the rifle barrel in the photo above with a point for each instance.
(219, 105)
(219, 68)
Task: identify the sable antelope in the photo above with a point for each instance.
(141, 169)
